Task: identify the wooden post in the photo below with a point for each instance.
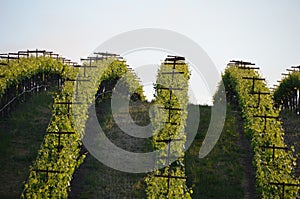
(77, 81)
(259, 93)
(68, 103)
(253, 81)
(265, 117)
(47, 171)
(283, 185)
(243, 64)
(59, 133)
(84, 66)
(273, 147)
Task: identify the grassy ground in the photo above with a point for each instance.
(219, 174)
(21, 135)
(95, 180)
(222, 174)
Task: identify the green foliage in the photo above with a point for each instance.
(21, 135)
(157, 187)
(65, 160)
(281, 169)
(16, 72)
(287, 88)
(68, 159)
(127, 80)
(219, 175)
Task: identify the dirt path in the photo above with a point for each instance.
(245, 160)
(224, 173)
(95, 180)
(21, 135)
(291, 126)
(227, 171)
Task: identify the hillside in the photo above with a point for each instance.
(21, 135)
(225, 173)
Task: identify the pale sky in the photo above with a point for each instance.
(264, 32)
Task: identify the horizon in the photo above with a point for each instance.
(265, 33)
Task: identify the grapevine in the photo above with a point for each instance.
(269, 169)
(168, 123)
